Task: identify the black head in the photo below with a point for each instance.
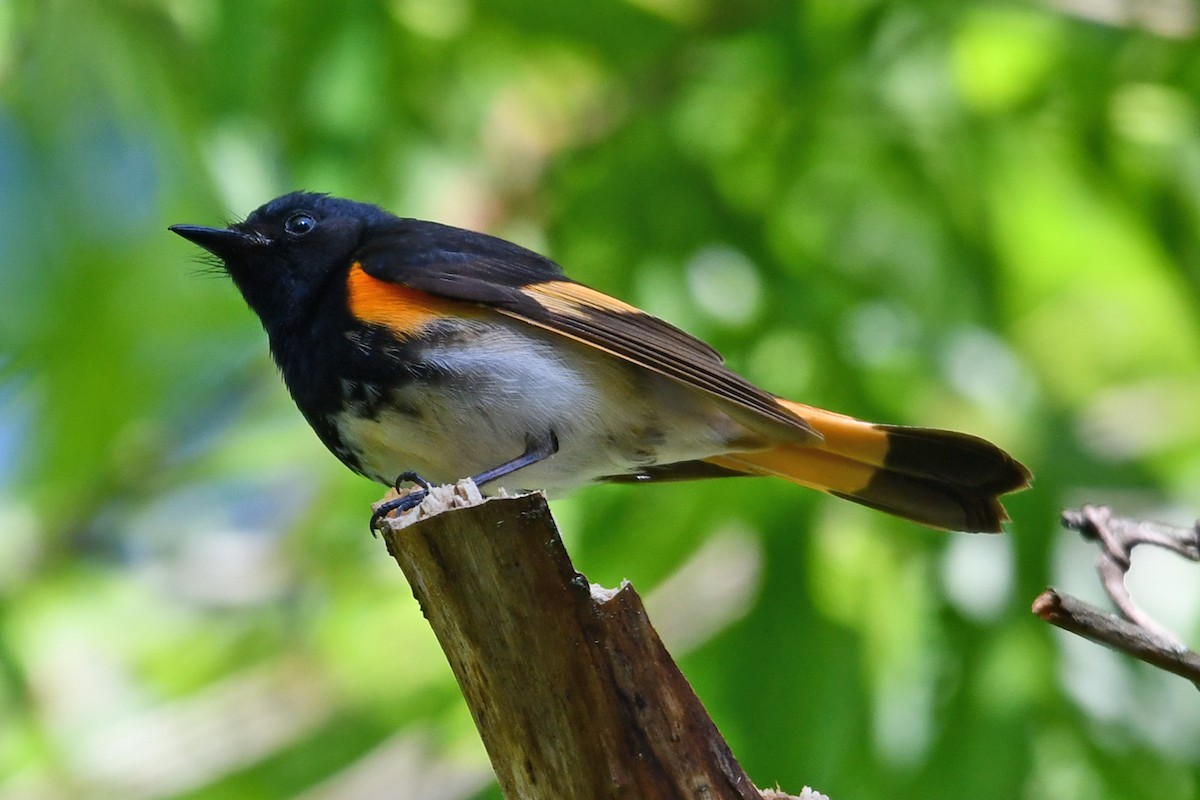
(284, 254)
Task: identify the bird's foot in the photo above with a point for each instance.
(404, 502)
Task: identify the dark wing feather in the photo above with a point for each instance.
(461, 265)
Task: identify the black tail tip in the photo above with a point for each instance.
(944, 479)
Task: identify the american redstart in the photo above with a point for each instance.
(421, 351)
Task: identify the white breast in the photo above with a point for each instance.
(513, 383)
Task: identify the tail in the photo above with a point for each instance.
(942, 479)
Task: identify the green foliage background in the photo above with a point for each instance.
(964, 214)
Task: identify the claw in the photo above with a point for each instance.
(536, 449)
(403, 503)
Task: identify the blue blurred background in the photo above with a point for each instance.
(978, 215)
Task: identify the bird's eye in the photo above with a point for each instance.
(299, 223)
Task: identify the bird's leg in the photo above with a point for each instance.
(535, 450)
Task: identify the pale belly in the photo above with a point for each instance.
(514, 386)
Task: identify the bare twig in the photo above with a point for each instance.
(1074, 615)
(1138, 635)
(1117, 537)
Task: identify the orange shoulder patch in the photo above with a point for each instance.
(401, 310)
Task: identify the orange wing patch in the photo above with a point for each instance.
(574, 299)
(398, 308)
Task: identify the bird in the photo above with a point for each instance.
(425, 353)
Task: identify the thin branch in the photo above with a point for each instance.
(1117, 537)
(1138, 635)
(1074, 615)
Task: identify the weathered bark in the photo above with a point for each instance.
(572, 691)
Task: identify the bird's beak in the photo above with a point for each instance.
(221, 242)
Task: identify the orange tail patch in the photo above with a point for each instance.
(943, 479)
